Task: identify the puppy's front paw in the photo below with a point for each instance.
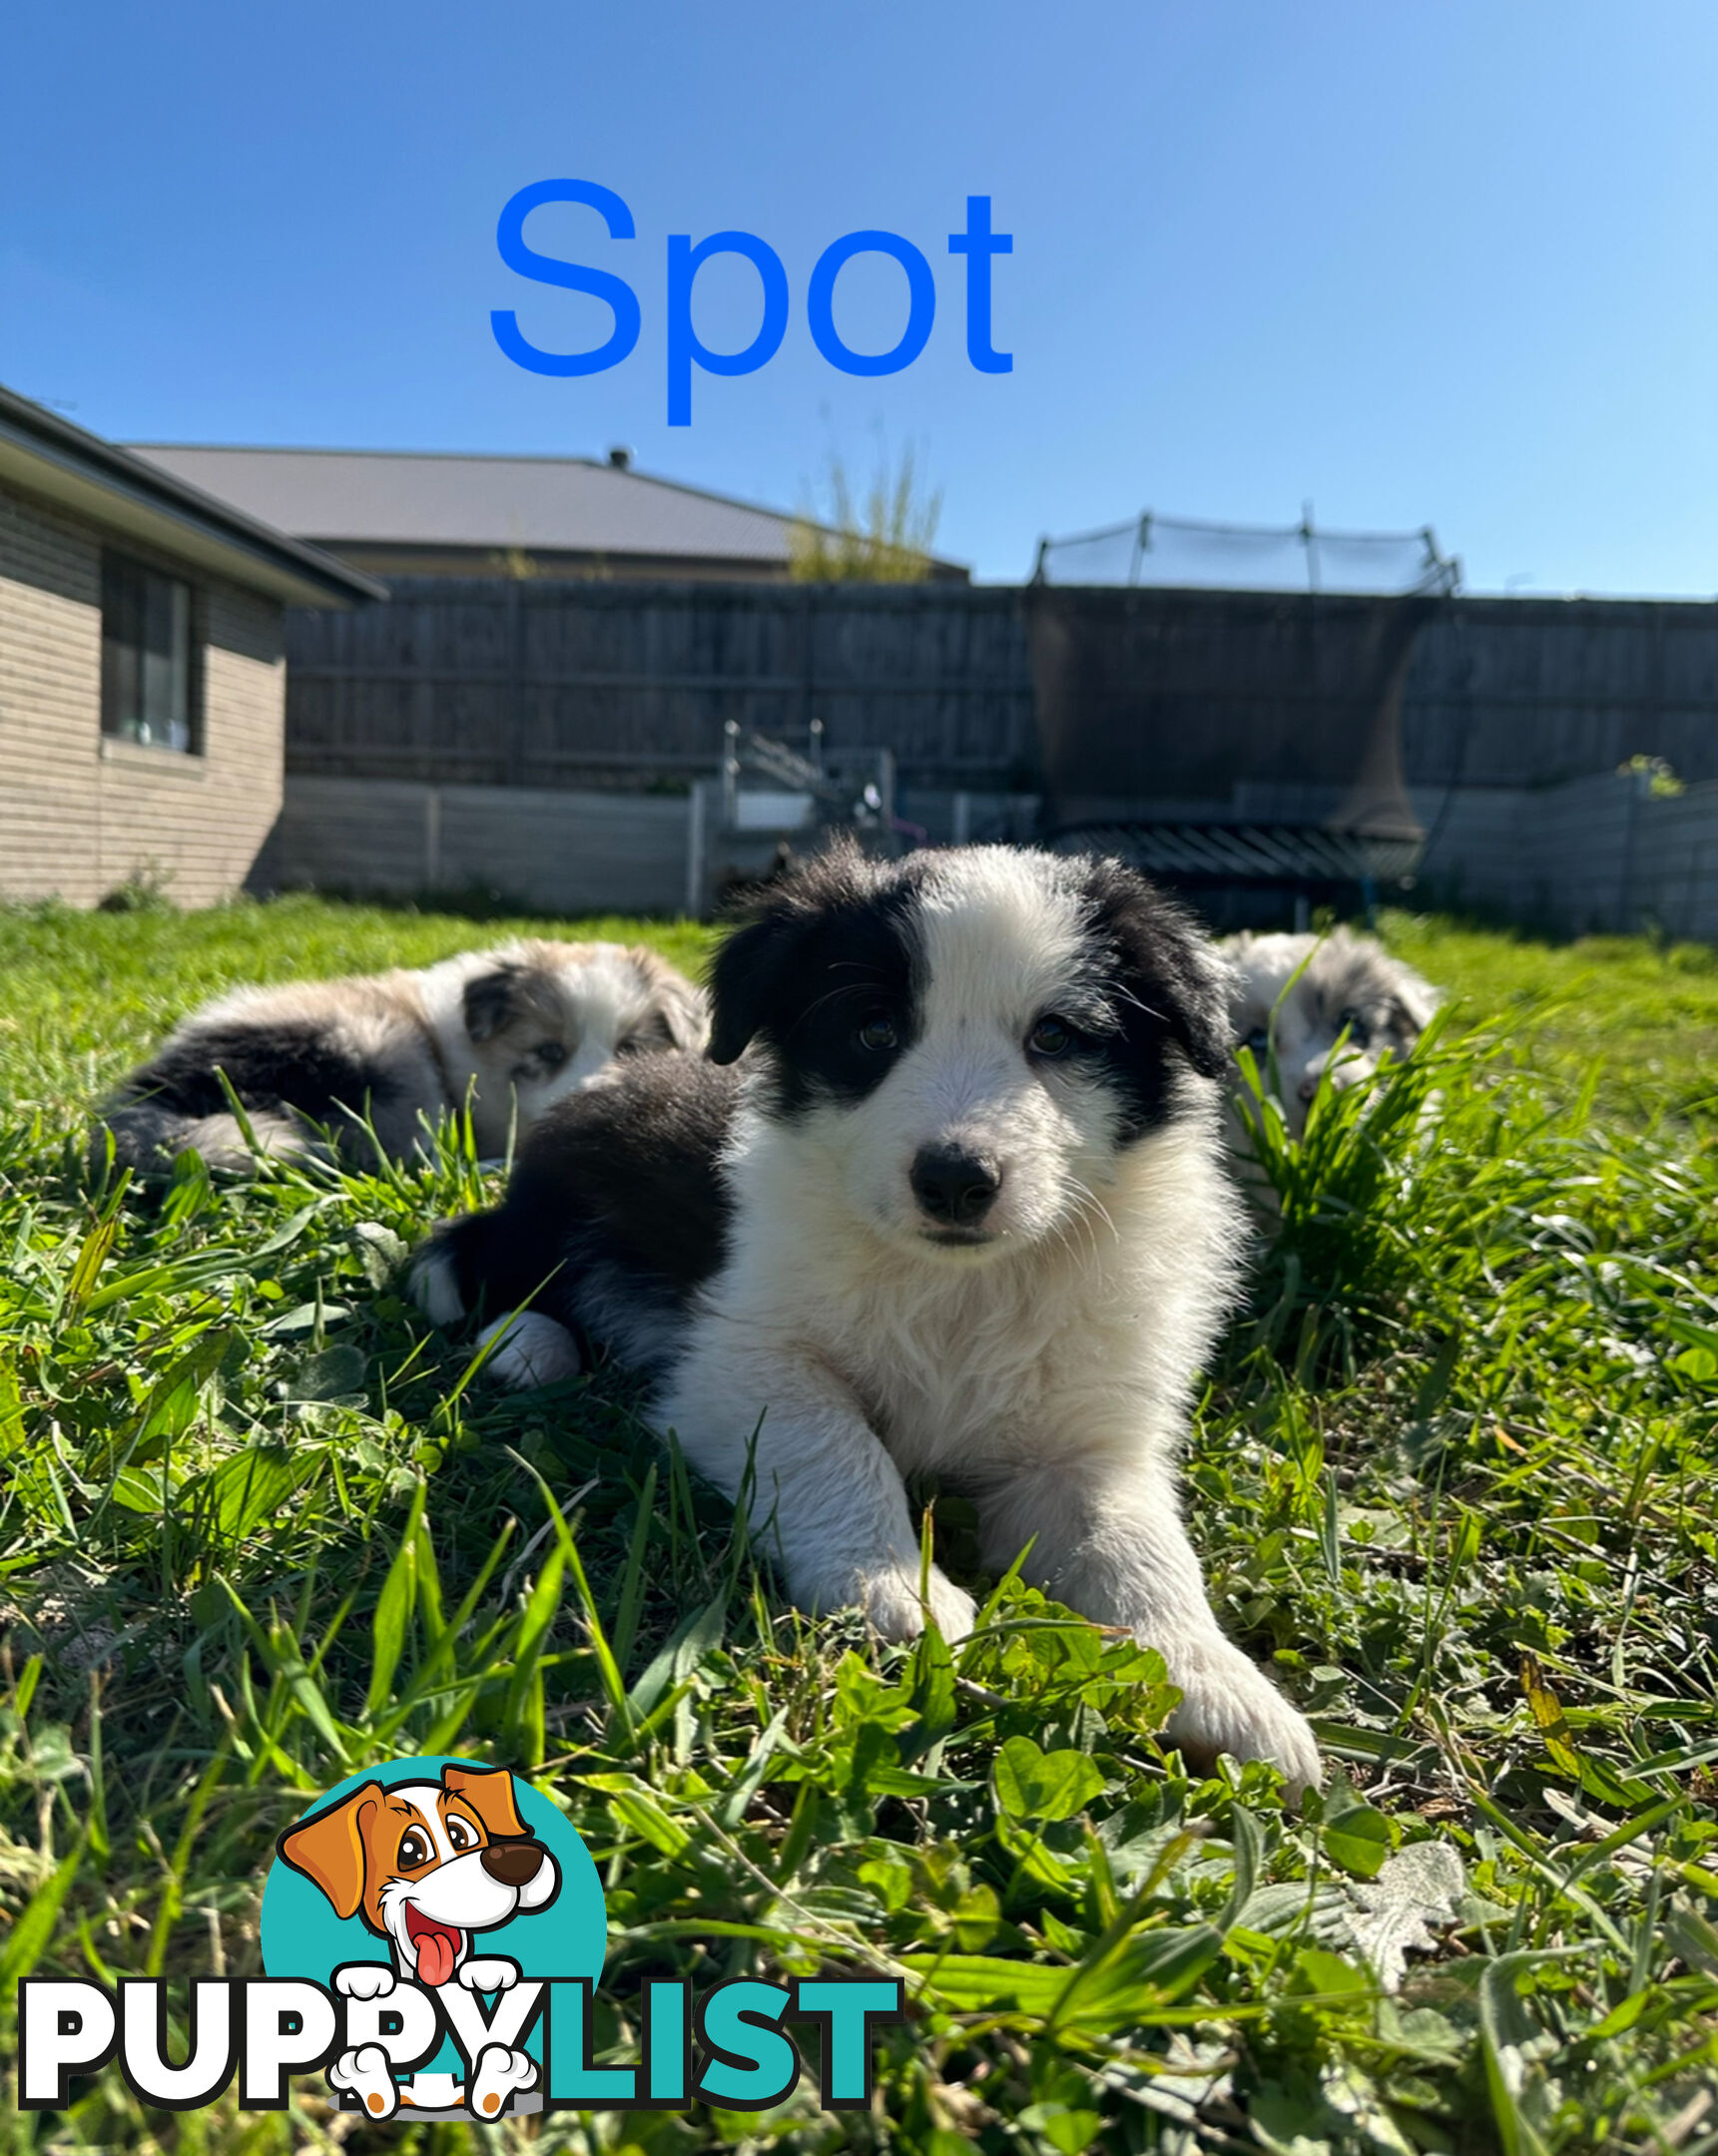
(529, 1350)
(363, 1980)
(892, 1601)
(495, 1973)
(1227, 1705)
(500, 2073)
(365, 2074)
(434, 1283)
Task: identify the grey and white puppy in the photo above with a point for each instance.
(1305, 994)
(510, 1030)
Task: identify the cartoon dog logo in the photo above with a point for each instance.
(428, 1867)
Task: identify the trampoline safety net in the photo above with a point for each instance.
(1221, 704)
(1183, 554)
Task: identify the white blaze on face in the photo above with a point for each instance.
(424, 1800)
(605, 1000)
(430, 1933)
(1001, 939)
(606, 994)
(1001, 943)
(431, 1913)
(425, 1949)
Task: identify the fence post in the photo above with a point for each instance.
(696, 842)
(431, 838)
(886, 784)
(515, 683)
(1639, 784)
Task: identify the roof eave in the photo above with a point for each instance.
(786, 519)
(49, 457)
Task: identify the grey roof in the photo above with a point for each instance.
(99, 480)
(557, 504)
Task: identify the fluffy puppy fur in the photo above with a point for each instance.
(947, 1198)
(1342, 984)
(515, 1028)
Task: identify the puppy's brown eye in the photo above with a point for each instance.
(1051, 1036)
(877, 1034)
(551, 1056)
(1358, 1032)
(414, 1850)
(459, 1833)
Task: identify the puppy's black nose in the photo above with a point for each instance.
(514, 1863)
(953, 1186)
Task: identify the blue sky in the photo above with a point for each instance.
(1451, 263)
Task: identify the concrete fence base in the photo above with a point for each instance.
(1597, 854)
(1601, 855)
(558, 853)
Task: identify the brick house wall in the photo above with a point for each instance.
(79, 812)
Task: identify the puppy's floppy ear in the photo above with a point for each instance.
(759, 983)
(685, 1009)
(330, 1849)
(1172, 965)
(753, 971)
(688, 1011)
(490, 1795)
(491, 1001)
(1414, 1003)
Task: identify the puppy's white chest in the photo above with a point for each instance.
(966, 1384)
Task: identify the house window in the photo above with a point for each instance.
(150, 686)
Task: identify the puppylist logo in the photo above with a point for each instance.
(432, 1934)
(456, 1878)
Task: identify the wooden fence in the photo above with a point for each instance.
(1535, 692)
(499, 682)
(546, 682)
(498, 706)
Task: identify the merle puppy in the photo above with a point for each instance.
(1337, 1001)
(379, 1059)
(947, 1198)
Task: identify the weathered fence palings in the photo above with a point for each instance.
(519, 682)
(505, 682)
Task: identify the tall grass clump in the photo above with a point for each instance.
(884, 537)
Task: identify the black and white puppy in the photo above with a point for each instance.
(959, 1211)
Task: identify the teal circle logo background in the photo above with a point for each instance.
(303, 1936)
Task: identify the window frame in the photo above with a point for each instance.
(118, 562)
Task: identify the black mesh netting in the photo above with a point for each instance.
(1223, 707)
(1183, 553)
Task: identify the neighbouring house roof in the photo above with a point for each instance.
(123, 493)
(552, 505)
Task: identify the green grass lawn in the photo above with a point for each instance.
(1453, 1474)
